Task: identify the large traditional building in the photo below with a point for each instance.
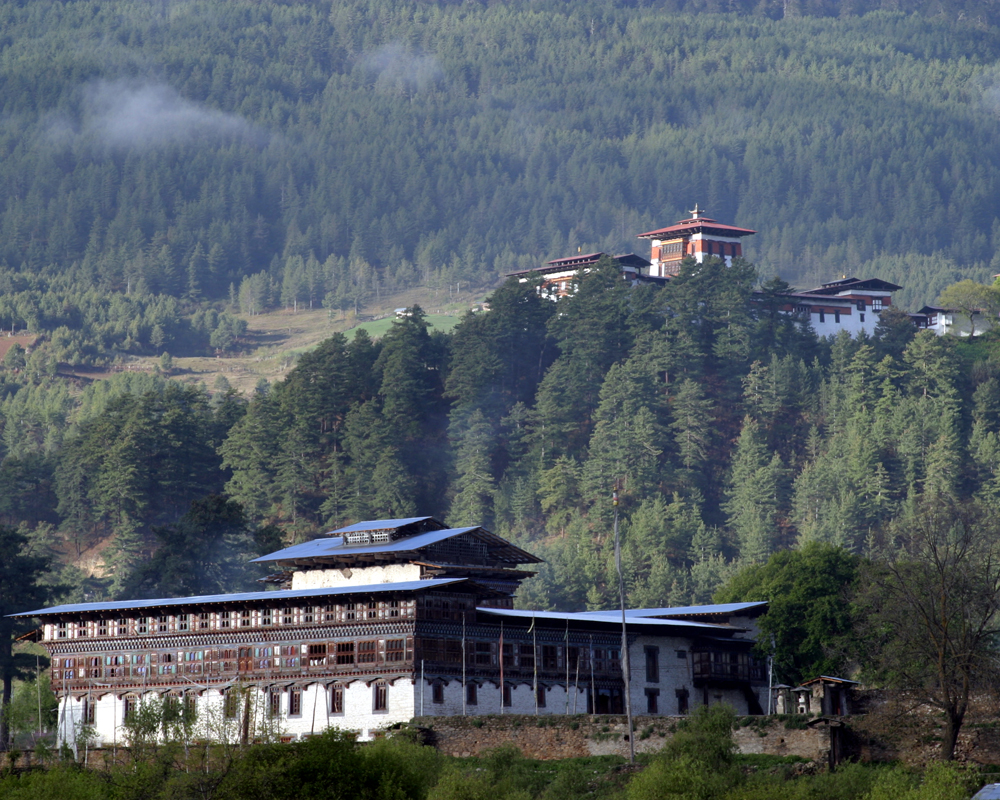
(699, 237)
(849, 304)
(381, 622)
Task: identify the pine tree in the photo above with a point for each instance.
(693, 431)
(474, 484)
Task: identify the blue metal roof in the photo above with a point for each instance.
(380, 524)
(288, 594)
(677, 611)
(333, 546)
(614, 617)
(990, 791)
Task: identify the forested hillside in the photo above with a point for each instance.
(168, 170)
(263, 153)
(728, 428)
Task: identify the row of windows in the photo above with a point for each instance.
(520, 656)
(228, 620)
(239, 659)
(232, 701)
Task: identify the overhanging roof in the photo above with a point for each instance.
(332, 548)
(242, 597)
(854, 284)
(702, 224)
(383, 524)
(687, 611)
(607, 617)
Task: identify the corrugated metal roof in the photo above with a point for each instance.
(990, 791)
(718, 608)
(692, 225)
(380, 524)
(334, 546)
(288, 594)
(601, 616)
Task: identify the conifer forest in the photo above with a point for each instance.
(169, 170)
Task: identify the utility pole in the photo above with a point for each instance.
(626, 667)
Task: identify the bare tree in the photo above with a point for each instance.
(928, 612)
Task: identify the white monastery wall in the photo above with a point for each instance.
(489, 697)
(315, 714)
(365, 576)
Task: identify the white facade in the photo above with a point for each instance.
(278, 713)
(365, 576)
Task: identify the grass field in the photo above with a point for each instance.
(276, 339)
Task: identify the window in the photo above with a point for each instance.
(142, 625)
(337, 699)
(483, 654)
(266, 618)
(61, 630)
(203, 621)
(652, 701)
(380, 698)
(317, 654)
(876, 304)
(550, 656)
(128, 707)
(372, 610)
(245, 619)
(527, 656)
(508, 698)
(540, 697)
(89, 709)
(345, 652)
(682, 701)
(224, 619)
(367, 652)
(230, 704)
(862, 317)
(682, 653)
(307, 614)
(295, 702)
(394, 649)
(822, 316)
(183, 623)
(102, 627)
(287, 616)
(274, 703)
(836, 317)
(652, 665)
(163, 624)
(437, 692)
(471, 694)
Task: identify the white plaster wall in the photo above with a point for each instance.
(675, 673)
(489, 699)
(358, 713)
(957, 324)
(850, 322)
(365, 576)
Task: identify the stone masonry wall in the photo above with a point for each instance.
(577, 736)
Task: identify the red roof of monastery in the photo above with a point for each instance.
(696, 225)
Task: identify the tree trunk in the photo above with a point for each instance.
(8, 687)
(952, 725)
